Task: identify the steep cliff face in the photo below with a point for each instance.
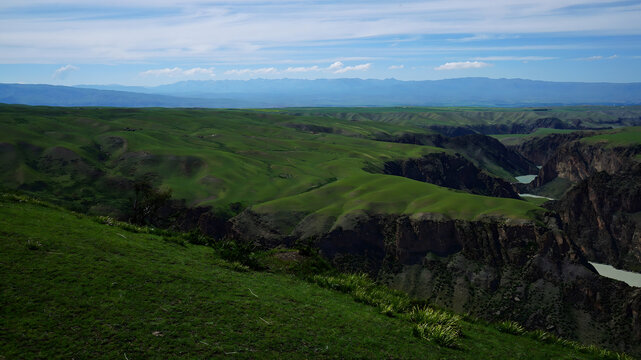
(484, 151)
(602, 214)
(451, 171)
(540, 149)
(494, 269)
(601, 211)
(576, 161)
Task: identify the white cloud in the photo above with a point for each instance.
(462, 65)
(481, 37)
(515, 58)
(396, 67)
(301, 69)
(178, 72)
(261, 71)
(79, 30)
(199, 71)
(336, 66)
(599, 57)
(63, 72)
(340, 68)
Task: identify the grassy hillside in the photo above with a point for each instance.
(461, 116)
(81, 157)
(628, 136)
(515, 139)
(391, 195)
(76, 288)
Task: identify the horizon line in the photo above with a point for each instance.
(329, 79)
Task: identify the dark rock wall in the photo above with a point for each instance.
(451, 171)
(576, 161)
(540, 149)
(483, 151)
(495, 269)
(602, 215)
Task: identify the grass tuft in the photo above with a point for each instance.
(432, 316)
(33, 244)
(444, 335)
(365, 291)
(510, 327)
(542, 336)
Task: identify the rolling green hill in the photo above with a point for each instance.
(87, 158)
(76, 288)
(465, 116)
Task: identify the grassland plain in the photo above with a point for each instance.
(216, 158)
(76, 288)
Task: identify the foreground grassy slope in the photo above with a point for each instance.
(216, 158)
(74, 288)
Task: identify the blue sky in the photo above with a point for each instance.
(151, 42)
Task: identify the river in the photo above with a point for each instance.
(628, 277)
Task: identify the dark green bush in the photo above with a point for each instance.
(242, 252)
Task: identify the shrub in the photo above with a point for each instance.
(306, 247)
(197, 238)
(238, 251)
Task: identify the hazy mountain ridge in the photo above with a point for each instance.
(330, 92)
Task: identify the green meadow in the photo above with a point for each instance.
(462, 116)
(267, 159)
(75, 287)
(628, 136)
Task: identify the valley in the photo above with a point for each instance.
(431, 202)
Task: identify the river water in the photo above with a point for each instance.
(536, 196)
(525, 179)
(628, 277)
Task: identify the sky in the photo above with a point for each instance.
(153, 42)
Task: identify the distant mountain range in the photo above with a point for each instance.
(329, 92)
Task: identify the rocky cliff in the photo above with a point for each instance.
(577, 160)
(483, 151)
(451, 171)
(602, 214)
(494, 268)
(540, 149)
